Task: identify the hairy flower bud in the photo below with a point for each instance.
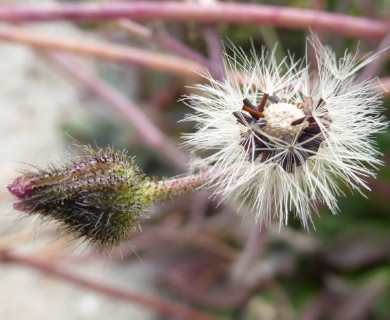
(100, 196)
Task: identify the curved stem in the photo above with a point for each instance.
(118, 53)
(253, 248)
(375, 67)
(215, 49)
(103, 50)
(233, 13)
(163, 39)
(150, 134)
(186, 237)
(161, 305)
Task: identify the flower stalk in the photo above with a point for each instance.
(100, 196)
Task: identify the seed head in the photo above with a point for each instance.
(282, 135)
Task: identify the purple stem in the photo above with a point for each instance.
(375, 67)
(164, 306)
(214, 46)
(173, 45)
(232, 13)
(253, 249)
(384, 86)
(164, 40)
(152, 136)
(104, 50)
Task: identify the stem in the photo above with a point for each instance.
(180, 186)
(253, 248)
(103, 50)
(375, 67)
(161, 305)
(152, 136)
(186, 237)
(165, 97)
(118, 53)
(232, 13)
(384, 86)
(214, 46)
(162, 39)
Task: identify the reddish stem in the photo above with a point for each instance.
(253, 248)
(376, 66)
(103, 50)
(384, 86)
(232, 13)
(185, 237)
(164, 40)
(161, 305)
(118, 53)
(215, 49)
(152, 136)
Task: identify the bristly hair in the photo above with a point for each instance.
(100, 196)
(282, 136)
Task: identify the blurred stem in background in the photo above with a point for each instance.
(341, 271)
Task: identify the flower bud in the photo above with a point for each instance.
(101, 196)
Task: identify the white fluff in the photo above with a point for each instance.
(348, 117)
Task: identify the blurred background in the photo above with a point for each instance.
(190, 251)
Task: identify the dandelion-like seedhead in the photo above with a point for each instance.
(282, 136)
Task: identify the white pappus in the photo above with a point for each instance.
(281, 137)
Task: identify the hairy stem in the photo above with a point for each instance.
(179, 186)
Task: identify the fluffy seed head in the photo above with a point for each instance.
(282, 135)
